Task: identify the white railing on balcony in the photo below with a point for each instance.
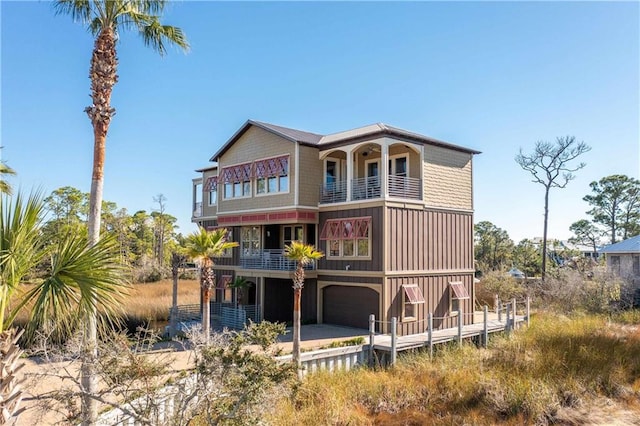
(365, 188)
(273, 259)
(197, 209)
(404, 187)
(370, 188)
(335, 192)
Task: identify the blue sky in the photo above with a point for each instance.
(490, 76)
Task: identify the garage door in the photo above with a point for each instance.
(349, 306)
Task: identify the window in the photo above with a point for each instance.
(250, 241)
(237, 180)
(213, 197)
(350, 237)
(615, 264)
(212, 188)
(398, 166)
(457, 292)
(292, 233)
(411, 297)
(636, 265)
(223, 285)
(272, 175)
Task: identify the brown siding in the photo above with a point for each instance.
(422, 240)
(355, 278)
(376, 230)
(436, 295)
(234, 259)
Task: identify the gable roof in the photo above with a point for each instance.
(293, 135)
(630, 245)
(348, 136)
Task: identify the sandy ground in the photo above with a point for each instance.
(43, 377)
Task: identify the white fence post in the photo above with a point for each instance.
(528, 311)
(430, 334)
(460, 321)
(372, 333)
(394, 340)
(506, 326)
(485, 332)
(515, 310)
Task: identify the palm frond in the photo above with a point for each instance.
(302, 253)
(203, 244)
(80, 279)
(80, 10)
(155, 35)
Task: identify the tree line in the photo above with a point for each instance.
(145, 240)
(614, 215)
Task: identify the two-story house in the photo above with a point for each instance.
(391, 209)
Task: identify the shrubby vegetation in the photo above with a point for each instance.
(545, 374)
(145, 240)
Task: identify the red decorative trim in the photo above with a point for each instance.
(212, 184)
(346, 229)
(237, 173)
(269, 167)
(413, 293)
(459, 291)
(281, 217)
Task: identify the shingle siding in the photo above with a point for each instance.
(447, 178)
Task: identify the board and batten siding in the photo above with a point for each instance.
(436, 292)
(429, 240)
(447, 178)
(375, 230)
(256, 144)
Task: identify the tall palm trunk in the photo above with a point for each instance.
(208, 283)
(298, 282)
(103, 77)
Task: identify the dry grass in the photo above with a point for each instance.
(551, 373)
(150, 302)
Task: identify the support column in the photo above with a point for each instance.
(350, 165)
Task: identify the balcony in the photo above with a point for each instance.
(197, 209)
(370, 188)
(335, 192)
(273, 260)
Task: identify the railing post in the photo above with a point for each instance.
(394, 341)
(528, 311)
(430, 334)
(506, 325)
(485, 334)
(460, 321)
(499, 310)
(515, 310)
(372, 332)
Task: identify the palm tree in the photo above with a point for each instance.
(105, 19)
(303, 255)
(77, 279)
(4, 185)
(202, 246)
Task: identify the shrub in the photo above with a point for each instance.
(568, 290)
(498, 283)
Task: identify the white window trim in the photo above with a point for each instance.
(224, 192)
(338, 162)
(393, 164)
